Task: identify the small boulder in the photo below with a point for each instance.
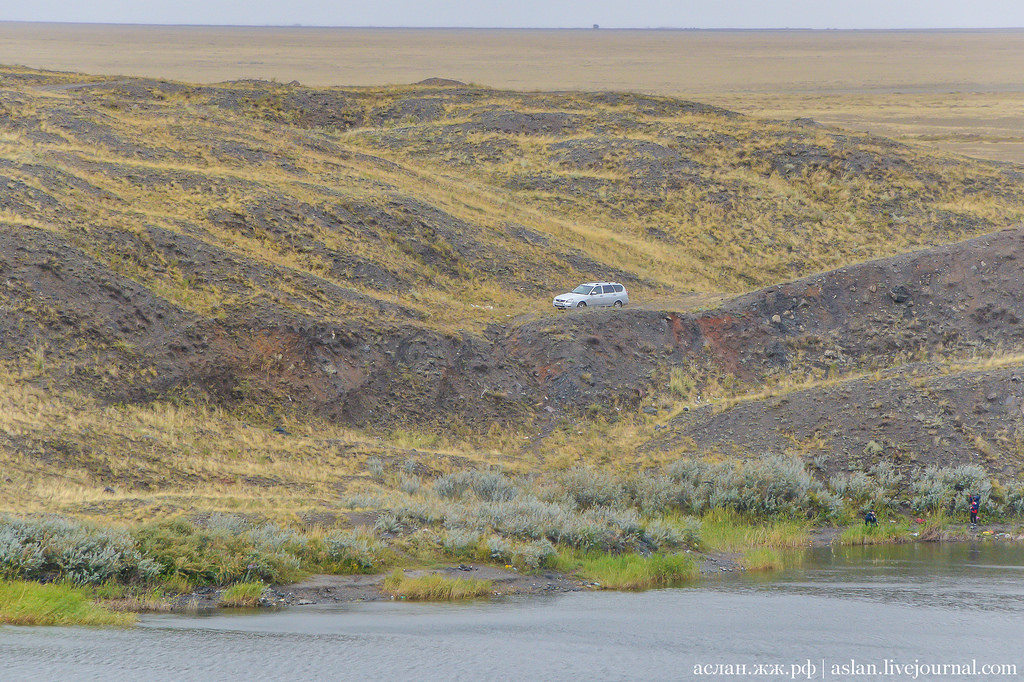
(899, 294)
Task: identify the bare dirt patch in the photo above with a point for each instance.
(328, 589)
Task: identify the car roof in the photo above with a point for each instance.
(594, 284)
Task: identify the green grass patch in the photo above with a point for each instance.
(724, 530)
(885, 533)
(30, 603)
(242, 595)
(220, 556)
(140, 601)
(762, 559)
(134, 598)
(770, 559)
(628, 571)
(434, 587)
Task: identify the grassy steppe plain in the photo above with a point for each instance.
(958, 90)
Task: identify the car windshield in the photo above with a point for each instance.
(582, 289)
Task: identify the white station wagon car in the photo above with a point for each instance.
(594, 294)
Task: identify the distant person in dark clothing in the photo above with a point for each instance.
(975, 504)
(870, 519)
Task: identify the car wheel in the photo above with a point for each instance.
(581, 304)
(617, 304)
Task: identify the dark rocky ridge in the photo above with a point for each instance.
(954, 299)
(961, 298)
(918, 417)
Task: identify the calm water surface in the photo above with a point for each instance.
(928, 603)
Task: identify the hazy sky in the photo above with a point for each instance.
(534, 13)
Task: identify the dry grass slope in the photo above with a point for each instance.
(183, 267)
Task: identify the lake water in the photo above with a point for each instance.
(840, 612)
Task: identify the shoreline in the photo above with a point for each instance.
(321, 589)
(730, 546)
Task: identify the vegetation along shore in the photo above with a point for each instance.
(581, 528)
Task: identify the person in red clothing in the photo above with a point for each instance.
(975, 504)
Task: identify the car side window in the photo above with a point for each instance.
(609, 289)
(618, 288)
(596, 291)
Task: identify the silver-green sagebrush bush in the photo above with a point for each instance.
(388, 524)
(654, 493)
(459, 542)
(855, 487)
(410, 485)
(948, 489)
(771, 485)
(352, 550)
(534, 554)
(491, 486)
(589, 487)
(662, 535)
(1015, 500)
(62, 549)
(270, 537)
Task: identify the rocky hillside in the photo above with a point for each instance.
(386, 257)
(916, 357)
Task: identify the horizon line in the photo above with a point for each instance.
(593, 27)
